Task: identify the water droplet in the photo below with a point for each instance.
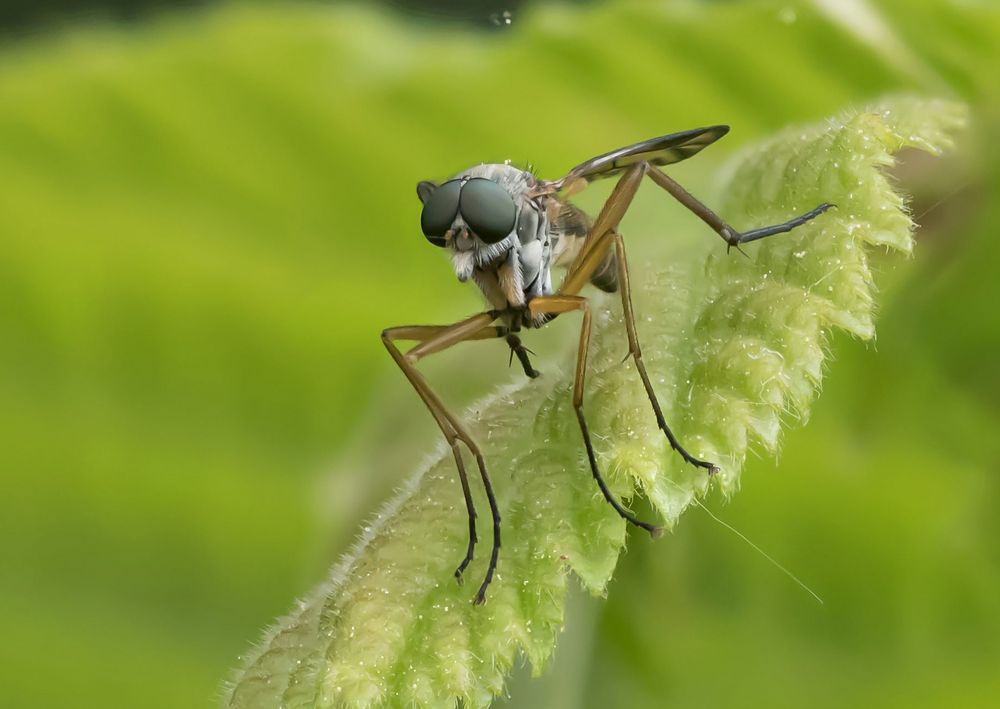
(503, 18)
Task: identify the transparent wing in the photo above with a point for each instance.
(665, 150)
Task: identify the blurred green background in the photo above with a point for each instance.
(208, 214)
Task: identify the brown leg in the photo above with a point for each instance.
(604, 234)
(636, 352)
(602, 237)
(435, 339)
(594, 258)
(555, 304)
(595, 246)
(729, 235)
(620, 200)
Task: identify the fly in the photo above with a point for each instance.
(507, 230)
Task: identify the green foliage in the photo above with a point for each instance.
(743, 345)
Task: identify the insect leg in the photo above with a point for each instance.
(636, 353)
(518, 348)
(719, 226)
(611, 214)
(595, 257)
(555, 304)
(592, 256)
(435, 339)
(599, 239)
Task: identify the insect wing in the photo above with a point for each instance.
(665, 150)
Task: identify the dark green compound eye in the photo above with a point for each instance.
(439, 211)
(488, 209)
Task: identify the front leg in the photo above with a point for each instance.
(434, 339)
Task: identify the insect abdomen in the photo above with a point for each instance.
(605, 276)
(573, 225)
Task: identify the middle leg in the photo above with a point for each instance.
(636, 352)
(555, 304)
(603, 236)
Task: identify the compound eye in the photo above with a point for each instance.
(488, 209)
(439, 211)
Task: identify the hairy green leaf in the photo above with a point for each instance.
(734, 346)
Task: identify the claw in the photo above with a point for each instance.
(734, 243)
(712, 468)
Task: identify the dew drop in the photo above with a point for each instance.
(503, 18)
